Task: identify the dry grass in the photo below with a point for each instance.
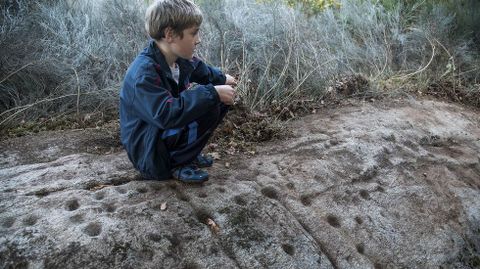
(73, 63)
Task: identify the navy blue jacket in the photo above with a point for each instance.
(152, 102)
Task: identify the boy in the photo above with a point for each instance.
(164, 126)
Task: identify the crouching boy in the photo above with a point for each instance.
(164, 124)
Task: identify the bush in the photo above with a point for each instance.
(75, 62)
(285, 54)
(69, 63)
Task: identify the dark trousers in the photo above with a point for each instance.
(184, 144)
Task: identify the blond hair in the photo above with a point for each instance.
(176, 14)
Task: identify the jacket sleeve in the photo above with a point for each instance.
(155, 105)
(204, 74)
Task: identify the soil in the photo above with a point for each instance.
(384, 184)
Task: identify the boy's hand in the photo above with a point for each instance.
(226, 94)
(230, 80)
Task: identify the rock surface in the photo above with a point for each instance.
(384, 185)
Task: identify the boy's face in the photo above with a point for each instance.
(184, 47)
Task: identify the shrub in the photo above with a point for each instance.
(284, 53)
(76, 52)
(68, 63)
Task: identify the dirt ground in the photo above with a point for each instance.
(385, 184)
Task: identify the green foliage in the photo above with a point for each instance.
(309, 7)
(312, 7)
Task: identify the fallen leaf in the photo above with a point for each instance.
(163, 206)
(213, 226)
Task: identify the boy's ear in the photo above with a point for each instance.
(169, 34)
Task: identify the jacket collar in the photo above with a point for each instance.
(185, 66)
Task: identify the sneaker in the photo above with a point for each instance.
(203, 160)
(190, 174)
